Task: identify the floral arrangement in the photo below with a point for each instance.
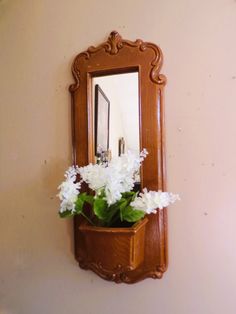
(111, 197)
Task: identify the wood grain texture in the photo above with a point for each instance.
(114, 250)
(114, 56)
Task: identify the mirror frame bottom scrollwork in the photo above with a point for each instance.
(114, 56)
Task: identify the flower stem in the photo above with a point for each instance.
(88, 219)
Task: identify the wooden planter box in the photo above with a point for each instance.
(115, 250)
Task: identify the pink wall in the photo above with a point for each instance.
(38, 273)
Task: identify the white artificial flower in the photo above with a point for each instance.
(67, 205)
(69, 190)
(121, 175)
(94, 176)
(71, 173)
(115, 178)
(152, 200)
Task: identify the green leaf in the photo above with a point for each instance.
(128, 194)
(132, 215)
(123, 206)
(86, 198)
(134, 196)
(66, 214)
(112, 212)
(79, 205)
(81, 199)
(100, 208)
(89, 199)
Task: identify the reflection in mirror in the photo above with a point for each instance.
(116, 115)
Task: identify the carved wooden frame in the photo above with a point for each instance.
(117, 55)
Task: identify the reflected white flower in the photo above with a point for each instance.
(150, 201)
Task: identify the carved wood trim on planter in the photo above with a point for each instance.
(114, 56)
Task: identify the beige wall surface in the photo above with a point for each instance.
(38, 41)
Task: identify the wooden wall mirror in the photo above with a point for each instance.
(118, 86)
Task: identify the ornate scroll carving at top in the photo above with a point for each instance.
(156, 63)
(112, 46)
(76, 70)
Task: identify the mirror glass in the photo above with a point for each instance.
(116, 115)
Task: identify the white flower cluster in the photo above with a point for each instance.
(94, 176)
(115, 178)
(150, 201)
(69, 190)
(121, 175)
